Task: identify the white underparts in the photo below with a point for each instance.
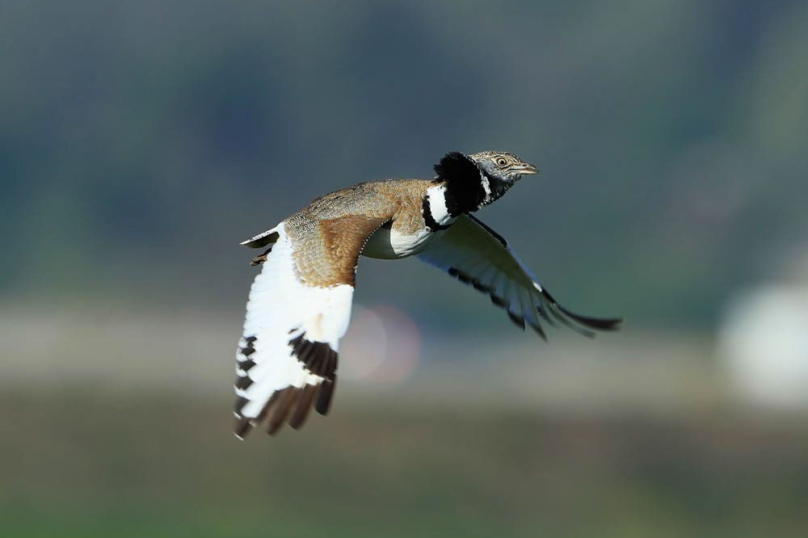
(408, 244)
(390, 244)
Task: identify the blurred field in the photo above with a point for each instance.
(79, 462)
(130, 436)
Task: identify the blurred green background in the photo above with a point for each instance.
(141, 141)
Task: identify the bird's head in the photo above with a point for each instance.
(502, 165)
(476, 180)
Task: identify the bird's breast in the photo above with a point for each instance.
(390, 244)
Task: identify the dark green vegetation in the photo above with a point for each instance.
(140, 141)
(86, 464)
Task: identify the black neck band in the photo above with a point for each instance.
(464, 189)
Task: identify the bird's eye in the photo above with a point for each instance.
(501, 161)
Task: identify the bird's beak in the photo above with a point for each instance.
(528, 169)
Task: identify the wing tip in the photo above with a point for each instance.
(324, 396)
(262, 239)
(599, 324)
(586, 323)
(517, 319)
(242, 427)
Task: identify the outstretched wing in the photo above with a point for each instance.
(476, 255)
(299, 308)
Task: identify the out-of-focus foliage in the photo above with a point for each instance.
(139, 141)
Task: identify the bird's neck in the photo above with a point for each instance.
(466, 186)
(447, 200)
(494, 188)
(473, 193)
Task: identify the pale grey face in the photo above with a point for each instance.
(503, 165)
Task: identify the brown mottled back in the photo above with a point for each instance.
(329, 234)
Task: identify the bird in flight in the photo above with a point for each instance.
(300, 305)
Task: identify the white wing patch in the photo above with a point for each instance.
(287, 355)
(476, 255)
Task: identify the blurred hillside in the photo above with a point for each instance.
(140, 141)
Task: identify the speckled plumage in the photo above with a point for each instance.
(328, 235)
